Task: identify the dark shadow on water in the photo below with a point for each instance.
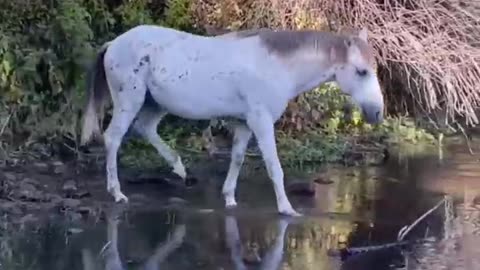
(361, 207)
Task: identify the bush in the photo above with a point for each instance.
(45, 49)
(43, 52)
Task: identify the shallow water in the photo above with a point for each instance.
(362, 207)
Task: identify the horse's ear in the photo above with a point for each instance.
(363, 34)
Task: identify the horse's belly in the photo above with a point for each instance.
(194, 99)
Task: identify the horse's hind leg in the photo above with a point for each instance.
(127, 101)
(146, 124)
(242, 135)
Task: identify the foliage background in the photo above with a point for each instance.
(46, 46)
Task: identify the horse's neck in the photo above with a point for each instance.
(309, 76)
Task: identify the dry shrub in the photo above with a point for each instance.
(226, 15)
(428, 51)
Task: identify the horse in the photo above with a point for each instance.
(249, 76)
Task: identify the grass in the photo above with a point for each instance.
(305, 150)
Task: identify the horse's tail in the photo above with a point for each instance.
(96, 96)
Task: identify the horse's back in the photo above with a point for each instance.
(151, 33)
(130, 46)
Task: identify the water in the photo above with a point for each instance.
(362, 207)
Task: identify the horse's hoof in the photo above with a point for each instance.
(191, 181)
(121, 198)
(290, 213)
(231, 206)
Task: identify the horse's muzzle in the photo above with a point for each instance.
(373, 113)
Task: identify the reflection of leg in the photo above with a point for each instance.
(241, 137)
(165, 249)
(233, 242)
(261, 124)
(274, 256)
(88, 261)
(112, 257)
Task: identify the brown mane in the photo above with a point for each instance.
(288, 42)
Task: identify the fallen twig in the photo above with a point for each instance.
(5, 124)
(406, 229)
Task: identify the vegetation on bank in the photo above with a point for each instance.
(45, 47)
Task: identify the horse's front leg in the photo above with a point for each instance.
(242, 135)
(261, 123)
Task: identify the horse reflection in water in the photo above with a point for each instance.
(274, 256)
(112, 257)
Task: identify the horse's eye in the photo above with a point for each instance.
(362, 72)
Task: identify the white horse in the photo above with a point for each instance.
(248, 75)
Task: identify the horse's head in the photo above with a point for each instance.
(355, 74)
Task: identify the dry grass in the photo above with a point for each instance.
(428, 51)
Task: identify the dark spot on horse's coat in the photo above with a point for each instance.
(240, 96)
(117, 65)
(135, 70)
(134, 87)
(163, 70)
(145, 59)
(183, 75)
(120, 89)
